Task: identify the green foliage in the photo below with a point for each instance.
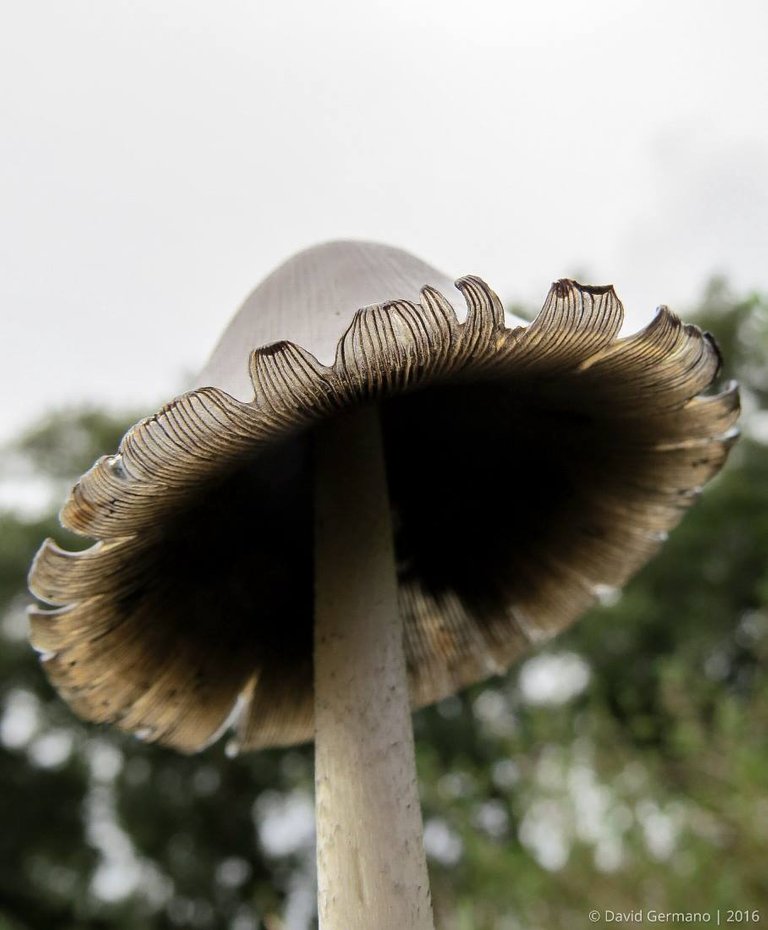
(646, 787)
(65, 444)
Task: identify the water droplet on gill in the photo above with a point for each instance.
(607, 594)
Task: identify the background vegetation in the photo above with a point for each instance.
(624, 767)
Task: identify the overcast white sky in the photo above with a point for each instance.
(159, 158)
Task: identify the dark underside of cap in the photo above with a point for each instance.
(529, 470)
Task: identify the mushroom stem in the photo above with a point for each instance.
(372, 872)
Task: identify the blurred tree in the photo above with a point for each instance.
(649, 788)
(623, 767)
(100, 830)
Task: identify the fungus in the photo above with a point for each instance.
(421, 497)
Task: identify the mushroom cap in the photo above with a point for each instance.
(531, 468)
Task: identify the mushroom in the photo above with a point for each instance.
(423, 498)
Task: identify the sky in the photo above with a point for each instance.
(157, 160)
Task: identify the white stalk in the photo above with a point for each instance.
(372, 872)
